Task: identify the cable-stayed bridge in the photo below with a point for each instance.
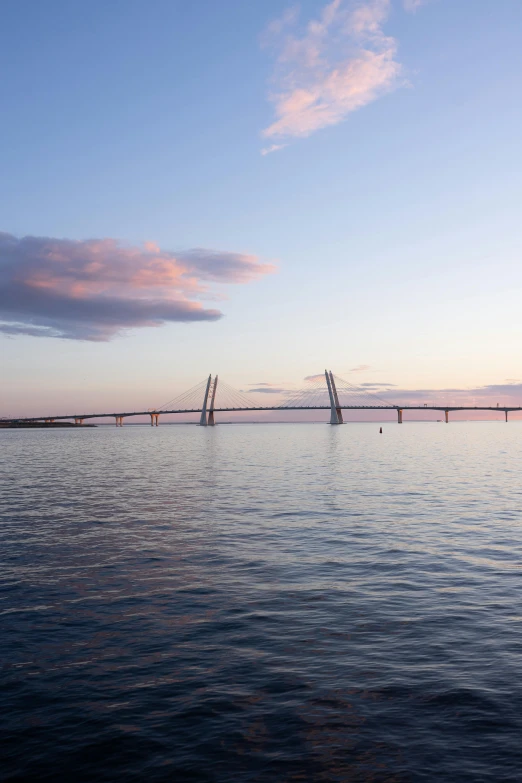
(325, 392)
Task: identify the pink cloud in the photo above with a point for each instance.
(340, 63)
(95, 288)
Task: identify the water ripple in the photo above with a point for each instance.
(262, 604)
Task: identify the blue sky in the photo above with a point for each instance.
(394, 225)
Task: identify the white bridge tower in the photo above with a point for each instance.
(336, 416)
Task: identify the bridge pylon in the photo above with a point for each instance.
(336, 400)
(211, 421)
(203, 418)
(334, 418)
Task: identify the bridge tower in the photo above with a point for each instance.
(203, 417)
(334, 419)
(336, 400)
(211, 421)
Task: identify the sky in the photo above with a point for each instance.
(259, 190)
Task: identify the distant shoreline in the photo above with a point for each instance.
(29, 425)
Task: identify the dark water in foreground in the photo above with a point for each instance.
(262, 603)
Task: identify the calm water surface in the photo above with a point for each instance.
(262, 603)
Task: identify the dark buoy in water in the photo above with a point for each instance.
(380, 431)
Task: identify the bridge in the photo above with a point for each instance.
(323, 392)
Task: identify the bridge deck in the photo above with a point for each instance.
(126, 414)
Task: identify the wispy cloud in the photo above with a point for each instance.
(273, 148)
(412, 5)
(360, 368)
(376, 385)
(330, 67)
(94, 289)
(265, 389)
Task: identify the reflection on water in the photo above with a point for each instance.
(262, 603)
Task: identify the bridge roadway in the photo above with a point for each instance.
(446, 409)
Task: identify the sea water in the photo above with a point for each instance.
(262, 603)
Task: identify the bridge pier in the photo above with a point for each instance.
(119, 421)
(399, 415)
(506, 416)
(446, 416)
(154, 419)
(78, 421)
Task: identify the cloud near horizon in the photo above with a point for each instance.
(505, 394)
(95, 289)
(375, 385)
(336, 64)
(266, 389)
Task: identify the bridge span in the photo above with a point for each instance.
(327, 392)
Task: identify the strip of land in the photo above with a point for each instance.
(41, 425)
